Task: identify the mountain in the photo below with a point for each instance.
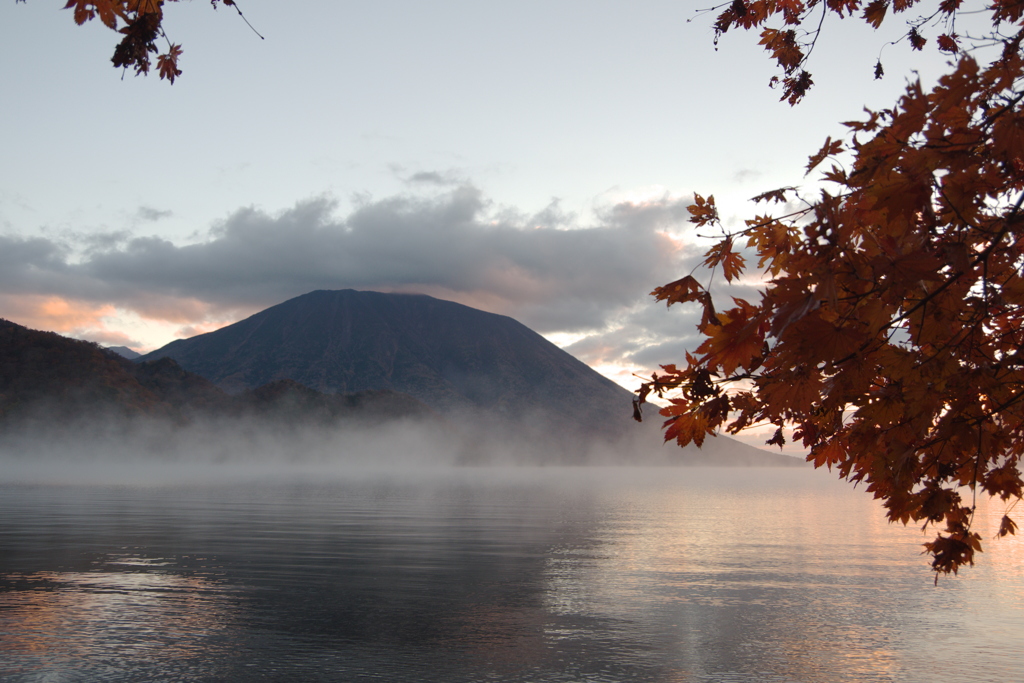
(478, 368)
(51, 386)
(454, 358)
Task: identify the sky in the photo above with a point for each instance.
(533, 159)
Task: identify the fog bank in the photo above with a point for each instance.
(106, 448)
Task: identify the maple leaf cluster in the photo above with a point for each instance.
(140, 23)
(888, 338)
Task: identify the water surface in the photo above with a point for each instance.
(543, 574)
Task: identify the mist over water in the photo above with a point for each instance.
(155, 452)
(101, 448)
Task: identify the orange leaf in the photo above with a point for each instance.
(683, 424)
(793, 394)
(732, 265)
(703, 211)
(778, 195)
(828, 453)
(874, 13)
(830, 148)
(734, 343)
(731, 262)
(679, 292)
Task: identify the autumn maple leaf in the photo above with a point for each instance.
(167, 63)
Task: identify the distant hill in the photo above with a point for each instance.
(67, 374)
(124, 352)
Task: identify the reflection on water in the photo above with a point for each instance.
(93, 622)
(503, 575)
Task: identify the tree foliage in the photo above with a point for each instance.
(140, 23)
(888, 337)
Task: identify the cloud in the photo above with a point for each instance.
(108, 338)
(101, 241)
(746, 175)
(67, 316)
(150, 215)
(53, 313)
(542, 268)
(642, 337)
(438, 178)
(527, 265)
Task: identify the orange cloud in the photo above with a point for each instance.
(154, 317)
(54, 313)
(72, 318)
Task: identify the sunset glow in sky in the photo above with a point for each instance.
(528, 158)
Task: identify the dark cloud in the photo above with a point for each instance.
(445, 179)
(745, 175)
(541, 268)
(102, 241)
(529, 266)
(148, 214)
(33, 265)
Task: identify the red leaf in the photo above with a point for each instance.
(874, 13)
(947, 43)
(167, 64)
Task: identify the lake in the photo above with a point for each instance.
(529, 574)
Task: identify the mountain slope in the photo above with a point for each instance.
(66, 377)
(47, 377)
